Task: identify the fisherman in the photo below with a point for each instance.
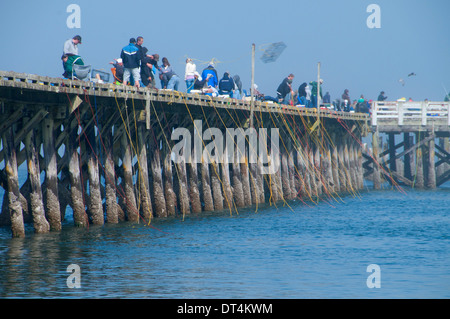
(346, 100)
(199, 83)
(131, 62)
(118, 66)
(381, 97)
(301, 94)
(71, 46)
(214, 79)
(314, 88)
(68, 62)
(226, 85)
(284, 89)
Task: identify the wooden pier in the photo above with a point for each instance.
(417, 152)
(106, 152)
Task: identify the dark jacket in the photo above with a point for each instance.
(301, 90)
(198, 85)
(130, 56)
(226, 84)
(284, 88)
(146, 72)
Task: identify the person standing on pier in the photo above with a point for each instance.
(381, 97)
(314, 94)
(346, 100)
(141, 50)
(190, 70)
(131, 62)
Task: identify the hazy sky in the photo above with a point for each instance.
(414, 36)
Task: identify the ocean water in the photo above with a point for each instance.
(292, 251)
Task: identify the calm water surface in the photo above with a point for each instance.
(315, 251)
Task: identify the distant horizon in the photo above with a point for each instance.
(354, 55)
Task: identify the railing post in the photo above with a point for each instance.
(424, 113)
(400, 108)
(374, 113)
(448, 113)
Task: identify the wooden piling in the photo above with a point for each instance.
(431, 181)
(183, 189)
(376, 164)
(245, 178)
(254, 185)
(194, 190)
(52, 207)
(420, 183)
(206, 186)
(238, 191)
(12, 182)
(304, 177)
(335, 165)
(225, 171)
(143, 182)
(40, 223)
(95, 206)
(76, 187)
(216, 186)
(169, 191)
(292, 172)
(127, 179)
(352, 163)
(350, 175)
(159, 199)
(407, 172)
(327, 169)
(284, 174)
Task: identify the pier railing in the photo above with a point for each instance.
(399, 115)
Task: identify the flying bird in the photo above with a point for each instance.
(411, 74)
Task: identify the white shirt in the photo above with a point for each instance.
(70, 47)
(191, 68)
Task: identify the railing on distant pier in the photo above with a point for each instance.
(400, 114)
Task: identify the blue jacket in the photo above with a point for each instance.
(130, 56)
(213, 81)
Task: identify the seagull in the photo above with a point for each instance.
(411, 74)
(402, 82)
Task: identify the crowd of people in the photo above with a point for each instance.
(139, 68)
